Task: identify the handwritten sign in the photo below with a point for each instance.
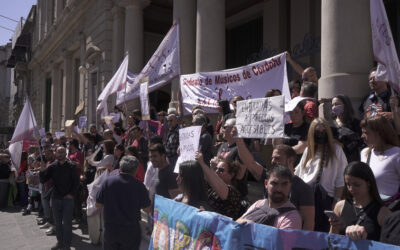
(116, 117)
(189, 139)
(144, 100)
(260, 118)
(33, 180)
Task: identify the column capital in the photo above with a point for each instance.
(136, 3)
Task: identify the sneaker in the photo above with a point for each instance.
(41, 222)
(50, 232)
(57, 246)
(26, 212)
(45, 226)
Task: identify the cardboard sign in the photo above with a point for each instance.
(59, 134)
(260, 118)
(189, 139)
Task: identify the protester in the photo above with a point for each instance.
(66, 182)
(34, 196)
(224, 113)
(309, 89)
(21, 180)
(296, 131)
(273, 92)
(205, 144)
(140, 143)
(361, 213)
(377, 102)
(122, 208)
(223, 197)
(108, 160)
(172, 143)
(166, 186)
(277, 210)
(5, 173)
(133, 151)
(322, 166)
(347, 127)
(383, 156)
(301, 194)
(192, 185)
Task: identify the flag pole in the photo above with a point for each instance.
(35, 127)
(126, 83)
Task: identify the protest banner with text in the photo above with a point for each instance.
(260, 118)
(189, 139)
(179, 226)
(250, 81)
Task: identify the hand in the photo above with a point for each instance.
(387, 115)
(394, 102)
(68, 196)
(288, 57)
(199, 157)
(234, 132)
(356, 232)
(336, 225)
(214, 162)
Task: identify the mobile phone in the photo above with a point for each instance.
(331, 215)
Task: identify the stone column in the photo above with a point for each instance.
(345, 62)
(55, 117)
(118, 36)
(68, 89)
(210, 39)
(185, 12)
(134, 33)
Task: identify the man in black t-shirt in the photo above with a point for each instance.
(122, 197)
(167, 185)
(301, 194)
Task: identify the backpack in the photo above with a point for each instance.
(390, 231)
(266, 215)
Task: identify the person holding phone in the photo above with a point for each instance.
(361, 213)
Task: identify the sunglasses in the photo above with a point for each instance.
(220, 170)
(305, 79)
(169, 120)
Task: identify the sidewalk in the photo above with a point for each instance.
(22, 233)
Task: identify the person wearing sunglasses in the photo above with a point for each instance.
(223, 197)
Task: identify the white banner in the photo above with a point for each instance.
(250, 81)
(260, 118)
(162, 67)
(117, 82)
(144, 100)
(388, 69)
(189, 139)
(24, 130)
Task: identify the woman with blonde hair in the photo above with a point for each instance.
(383, 156)
(321, 166)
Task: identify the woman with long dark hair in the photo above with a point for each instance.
(383, 156)
(361, 213)
(322, 166)
(192, 184)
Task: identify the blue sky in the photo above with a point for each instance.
(14, 9)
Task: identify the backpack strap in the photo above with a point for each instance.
(283, 210)
(369, 157)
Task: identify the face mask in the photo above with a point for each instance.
(337, 110)
(320, 137)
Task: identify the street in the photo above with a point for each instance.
(22, 233)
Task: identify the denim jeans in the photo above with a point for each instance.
(46, 207)
(62, 212)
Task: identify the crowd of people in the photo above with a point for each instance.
(335, 174)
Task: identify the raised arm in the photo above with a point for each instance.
(248, 160)
(216, 183)
(294, 64)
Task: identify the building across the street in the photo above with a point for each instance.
(68, 49)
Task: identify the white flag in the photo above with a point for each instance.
(114, 85)
(24, 130)
(162, 67)
(388, 69)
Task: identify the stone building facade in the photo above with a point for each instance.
(77, 45)
(5, 93)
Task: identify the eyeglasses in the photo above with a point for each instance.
(305, 79)
(169, 120)
(220, 170)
